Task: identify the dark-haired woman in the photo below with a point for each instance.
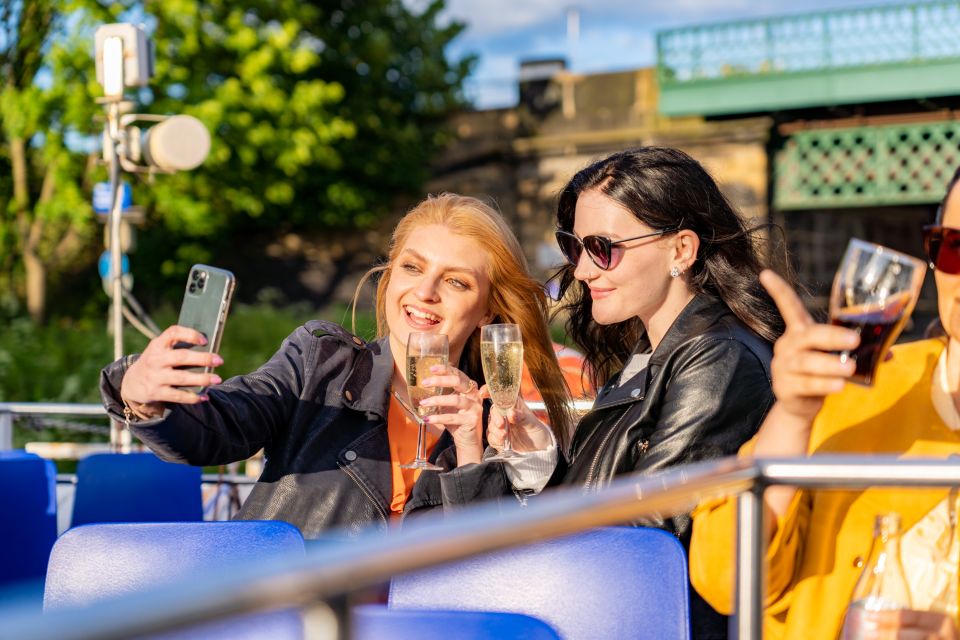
(664, 300)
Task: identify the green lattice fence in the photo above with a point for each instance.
(866, 166)
(815, 42)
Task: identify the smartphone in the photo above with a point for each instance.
(206, 302)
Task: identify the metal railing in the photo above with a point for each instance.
(331, 572)
(10, 410)
(899, 34)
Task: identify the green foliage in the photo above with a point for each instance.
(321, 115)
(45, 98)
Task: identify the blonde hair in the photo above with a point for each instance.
(515, 296)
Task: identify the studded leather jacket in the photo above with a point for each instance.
(318, 408)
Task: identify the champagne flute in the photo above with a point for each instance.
(873, 293)
(424, 350)
(501, 353)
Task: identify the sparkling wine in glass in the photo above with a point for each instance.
(424, 350)
(874, 291)
(501, 353)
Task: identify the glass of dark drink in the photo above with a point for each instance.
(873, 293)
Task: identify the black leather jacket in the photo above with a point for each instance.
(318, 408)
(703, 394)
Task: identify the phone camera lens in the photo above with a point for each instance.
(200, 285)
(193, 288)
(194, 275)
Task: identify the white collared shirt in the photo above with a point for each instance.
(531, 471)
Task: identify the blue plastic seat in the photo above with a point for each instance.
(377, 622)
(615, 582)
(135, 487)
(28, 515)
(101, 561)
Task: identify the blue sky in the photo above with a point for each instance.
(613, 34)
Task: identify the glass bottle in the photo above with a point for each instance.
(883, 584)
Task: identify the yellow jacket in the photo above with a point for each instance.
(819, 546)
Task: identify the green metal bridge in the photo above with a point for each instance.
(807, 67)
(852, 56)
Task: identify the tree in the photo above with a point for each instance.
(45, 98)
(322, 114)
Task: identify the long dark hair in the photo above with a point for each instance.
(666, 188)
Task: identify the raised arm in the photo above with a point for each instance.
(805, 370)
(232, 421)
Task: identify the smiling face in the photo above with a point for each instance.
(438, 284)
(948, 286)
(639, 283)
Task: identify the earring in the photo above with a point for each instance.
(675, 272)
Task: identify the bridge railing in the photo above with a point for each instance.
(902, 34)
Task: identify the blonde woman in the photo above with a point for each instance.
(323, 407)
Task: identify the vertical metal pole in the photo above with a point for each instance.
(747, 621)
(6, 431)
(112, 140)
(116, 311)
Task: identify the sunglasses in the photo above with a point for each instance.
(942, 245)
(599, 248)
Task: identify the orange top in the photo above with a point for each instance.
(402, 436)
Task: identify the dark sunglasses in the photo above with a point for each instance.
(942, 246)
(599, 248)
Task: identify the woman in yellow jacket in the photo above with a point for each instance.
(818, 540)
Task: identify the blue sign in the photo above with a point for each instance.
(103, 264)
(102, 200)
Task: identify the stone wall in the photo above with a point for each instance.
(521, 159)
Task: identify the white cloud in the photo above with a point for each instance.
(492, 17)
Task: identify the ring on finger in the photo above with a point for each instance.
(471, 386)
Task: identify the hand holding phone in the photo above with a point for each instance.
(206, 302)
(178, 364)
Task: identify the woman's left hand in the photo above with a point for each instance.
(907, 624)
(520, 425)
(460, 413)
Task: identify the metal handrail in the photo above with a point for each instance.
(52, 408)
(8, 410)
(335, 570)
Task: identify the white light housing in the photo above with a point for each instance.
(124, 58)
(179, 143)
(113, 67)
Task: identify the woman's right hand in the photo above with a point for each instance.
(154, 379)
(521, 427)
(804, 373)
(805, 366)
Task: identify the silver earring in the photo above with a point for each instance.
(675, 272)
